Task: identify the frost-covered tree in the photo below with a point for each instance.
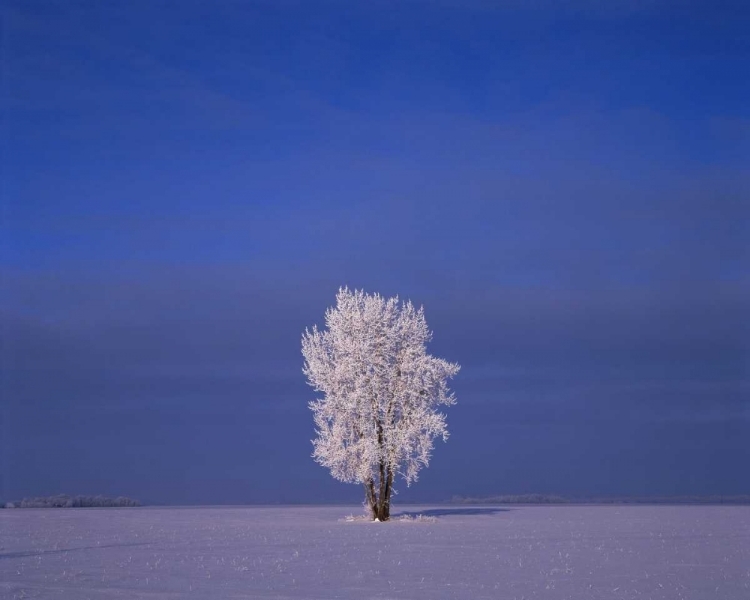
(381, 391)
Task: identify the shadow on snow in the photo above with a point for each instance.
(450, 512)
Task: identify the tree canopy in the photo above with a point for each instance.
(381, 390)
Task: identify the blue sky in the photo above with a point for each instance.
(563, 187)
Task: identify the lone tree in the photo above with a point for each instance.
(381, 390)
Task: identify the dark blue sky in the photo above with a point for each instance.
(185, 185)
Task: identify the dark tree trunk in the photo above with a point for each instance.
(384, 501)
(378, 499)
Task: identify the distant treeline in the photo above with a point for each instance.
(65, 501)
(553, 499)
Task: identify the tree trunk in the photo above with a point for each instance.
(385, 500)
(378, 499)
(371, 498)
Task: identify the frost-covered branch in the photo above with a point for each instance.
(378, 414)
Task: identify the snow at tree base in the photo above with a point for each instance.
(381, 391)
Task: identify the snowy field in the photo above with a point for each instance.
(576, 552)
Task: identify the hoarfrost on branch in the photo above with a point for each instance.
(379, 413)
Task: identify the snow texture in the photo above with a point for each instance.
(550, 552)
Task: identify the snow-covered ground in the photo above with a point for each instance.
(576, 552)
